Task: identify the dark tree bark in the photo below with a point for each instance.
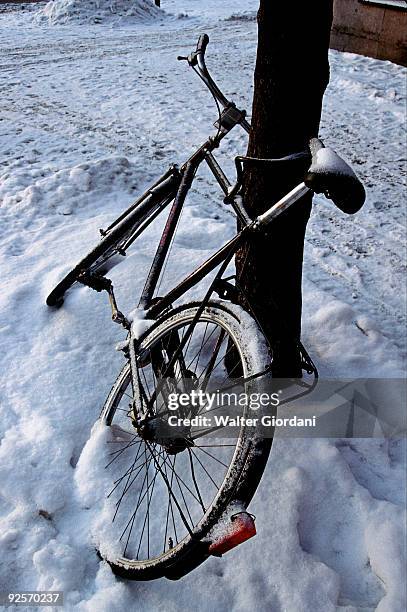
(292, 72)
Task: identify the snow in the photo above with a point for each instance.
(139, 323)
(97, 11)
(92, 481)
(90, 117)
(67, 190)
(329, 161)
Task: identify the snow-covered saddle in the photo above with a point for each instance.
(331, 175)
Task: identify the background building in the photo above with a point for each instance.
(377, 28)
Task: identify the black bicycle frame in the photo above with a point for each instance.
(173, 187)
(155, 307)
(177, 192)
(229, 118)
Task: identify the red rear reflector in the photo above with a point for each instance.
(240, 529)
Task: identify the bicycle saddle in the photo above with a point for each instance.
(331, 175)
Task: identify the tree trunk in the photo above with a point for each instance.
(292, 72)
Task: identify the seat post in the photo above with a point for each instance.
(282, 205)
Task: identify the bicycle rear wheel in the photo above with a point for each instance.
(163, 499)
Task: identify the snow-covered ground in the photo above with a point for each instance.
(89, 116)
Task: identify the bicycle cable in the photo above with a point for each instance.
(216, 101)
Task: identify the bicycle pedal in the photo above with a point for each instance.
(95, 281)
(240, 528)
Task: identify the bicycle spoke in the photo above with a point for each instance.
(140, 468)
(129, 396)
(168, 507)
(213, 445)
(124, 410)
(126, 488)
(133, 516)
(194, 479)
(129, 473)
(183, 497)
(215, 458)
(131, 523)
(230, 349)
(147, 515)
(175, 500)
(179, 479)
(139, 502)
(206, 374)
(126, 447)
(206, 471)
(121, 451)
(198, 355)
(172, 509)
(203, 344)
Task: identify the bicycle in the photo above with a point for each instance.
(171, 490)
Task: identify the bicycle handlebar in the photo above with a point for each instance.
(197, 60)
(203, 41)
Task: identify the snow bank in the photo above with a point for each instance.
(93, 481)
(242, 16)
(42, 191)
(98, 11)
(339, 329)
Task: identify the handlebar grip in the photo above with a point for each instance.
(202, 43)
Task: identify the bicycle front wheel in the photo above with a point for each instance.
(122, 233)
(165, 497)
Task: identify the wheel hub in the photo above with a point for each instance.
(173, 439)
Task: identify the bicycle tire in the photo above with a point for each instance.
(55, 298)
(157, 198)
(249, 458)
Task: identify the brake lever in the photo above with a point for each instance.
(191, 59)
